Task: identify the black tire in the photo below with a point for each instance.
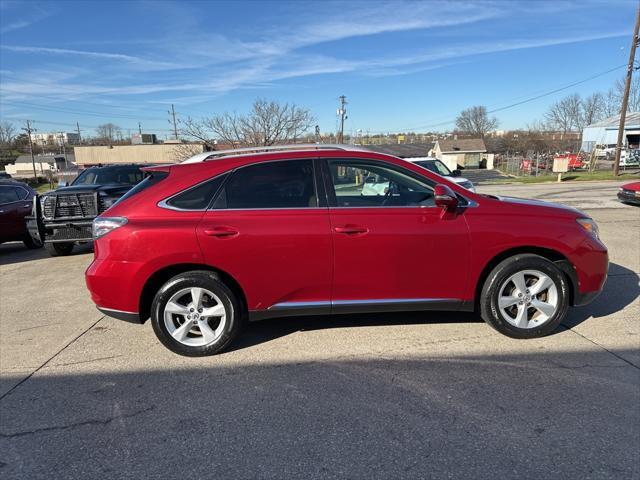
(490, 293)
(58, 249)
(209, 281)
(31, 243)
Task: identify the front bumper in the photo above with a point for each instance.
(68, 231)
(629, 196)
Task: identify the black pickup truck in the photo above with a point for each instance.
(63, 217)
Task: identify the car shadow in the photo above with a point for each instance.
(620, 290)
(16, 252)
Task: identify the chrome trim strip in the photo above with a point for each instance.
(379, 301)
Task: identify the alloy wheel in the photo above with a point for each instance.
(528, 299)
(195, 316)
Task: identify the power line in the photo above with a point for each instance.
(74, 111)
(512, 105)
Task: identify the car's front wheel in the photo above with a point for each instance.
(31, 242)
(195, 314)
(525, 296)
(59, 249)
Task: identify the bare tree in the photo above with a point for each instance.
(592, 108)
(268, 123)
(559, 116)
(610, 104)
(476, 121)
(7, 133)
(634, 94)
(109, 132)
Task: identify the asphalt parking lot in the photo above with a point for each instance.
(414, 395)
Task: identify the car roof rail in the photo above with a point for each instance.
(236, 152)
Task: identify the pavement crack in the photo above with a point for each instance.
(602, 347)
(12, 389)
(83, 361)
(71, 426)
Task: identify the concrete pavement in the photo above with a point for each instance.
(366, 396)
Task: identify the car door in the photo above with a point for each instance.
(394, 248)
(10, 207)
(268, 229)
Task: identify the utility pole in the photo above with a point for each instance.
(78, 130)
(317, 131)
(342, 112)
(175, 125)
(625, 98)
(64, 150)
(33, 158)
(140, 129)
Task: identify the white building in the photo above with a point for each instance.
(55, 138)
(605, 132)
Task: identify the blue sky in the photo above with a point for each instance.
(402, 65)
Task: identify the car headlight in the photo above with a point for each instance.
(589, 225)
(104, 225)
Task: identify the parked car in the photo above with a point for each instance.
(436, 166)
(5, 176)
(201, 246)
(62, 218)
(629, 158)
(16, 199)
(630, 193)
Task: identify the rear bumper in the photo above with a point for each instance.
(131, 317)
(113, 287)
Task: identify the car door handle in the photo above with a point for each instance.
(221, 231)
(351, 229)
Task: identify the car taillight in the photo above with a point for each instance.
(104, 225)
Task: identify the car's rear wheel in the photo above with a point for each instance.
(525, 296)
(195, 314)
(59, 249)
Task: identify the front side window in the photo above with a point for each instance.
(368, 184)
(106, 176)
(284, 184)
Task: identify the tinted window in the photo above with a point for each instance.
(286, 184)
(21, 192)
(8, 195)
(198, 197)
(362, 184)
(436, 166)
(149, 181)
(110, 175)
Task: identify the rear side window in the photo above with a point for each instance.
(286, 184)
(8, 195)
(198, 197)
(149, 181)
(21, 192)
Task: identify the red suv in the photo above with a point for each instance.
(202, 246)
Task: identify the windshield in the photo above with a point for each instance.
(106, 176)
(436, 166)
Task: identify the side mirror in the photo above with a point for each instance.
(445, 197)
(456, 173)
(62, 183)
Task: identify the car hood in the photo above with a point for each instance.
(635, 186)
(460, 179)
(529, 202)
(109, 190)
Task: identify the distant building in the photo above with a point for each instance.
(55, 138)
(151, 154)
(605, 132)
(414, 151)
(143, 139)
(465, 153)
(23, 166)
